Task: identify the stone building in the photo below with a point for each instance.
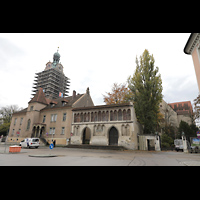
(114, 124)
(47, 118)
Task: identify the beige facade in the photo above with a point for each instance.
(48, 119)
(192, 47)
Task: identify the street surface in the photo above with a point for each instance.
(95, 157)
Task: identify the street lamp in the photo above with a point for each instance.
(156, 135)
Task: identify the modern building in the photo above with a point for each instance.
(192, 47)
(53, 80)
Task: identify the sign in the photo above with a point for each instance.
(51, 146)
(198, 134)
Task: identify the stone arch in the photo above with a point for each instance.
(86, 135)
(113, 136)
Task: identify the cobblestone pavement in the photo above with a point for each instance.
(95, 157)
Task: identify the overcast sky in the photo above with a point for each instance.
(94, 60)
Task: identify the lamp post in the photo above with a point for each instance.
(157, 142)
(184, 143)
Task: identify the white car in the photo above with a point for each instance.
(30, 142)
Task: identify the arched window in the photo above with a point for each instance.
(115, 116)
(107, 115)
(111, 116)
(99, 116)
(120, 115)
(28, 124)
(81, 120)
(95, 116)
(103, 116)
(128, 114)
(92, 116)
(124, 115)
(75, 118)
(85, 117)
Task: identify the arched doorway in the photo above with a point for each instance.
(113, 136)
(86, 136)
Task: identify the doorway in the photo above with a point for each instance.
(150, 145)
(113, 136)
(86, 136)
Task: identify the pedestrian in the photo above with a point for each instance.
(54, 143)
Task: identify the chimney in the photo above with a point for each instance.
(74, 94)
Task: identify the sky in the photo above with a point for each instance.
(94, 60)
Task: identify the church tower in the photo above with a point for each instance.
(53, 81)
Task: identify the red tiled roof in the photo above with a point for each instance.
(39, 97)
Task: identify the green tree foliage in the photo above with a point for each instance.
(189, 130)
(146, 86)
(166, 140)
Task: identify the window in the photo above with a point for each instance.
(128, 114)
(13, 131)
(111, 115)
(63, 131)
(64, 116)
(53, 117)
(15, 121)
(31, 108)
(52, 131)
(120, 115)
(44, 118)
(28, 124)
(21, 121)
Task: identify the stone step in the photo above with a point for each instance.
(87, 146)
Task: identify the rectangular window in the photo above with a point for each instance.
(64, 116)
(63, 131)
(13, 131)
(31, 108)
(21, 121)
(15, 121)
(52, 131)
(44, 118)
(53, 117)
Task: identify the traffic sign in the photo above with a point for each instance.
(51, 146)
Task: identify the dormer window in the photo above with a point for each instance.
(52, 105)
(64, 102)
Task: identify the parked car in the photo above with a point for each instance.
(179, 145)
(194, 149)
(30, 142)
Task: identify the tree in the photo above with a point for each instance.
(146, 86)
(120, 94)
(5, 117)
(189, 130)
